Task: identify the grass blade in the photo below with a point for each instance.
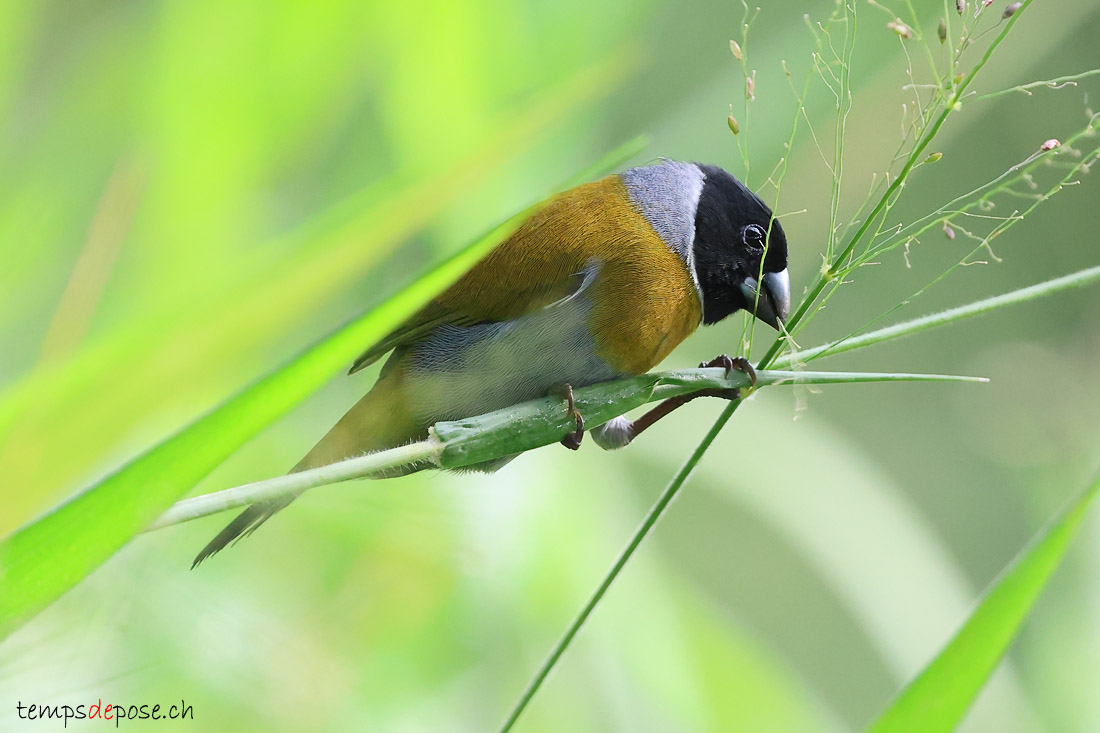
(939, 696)
(42, 560)
(210, 337)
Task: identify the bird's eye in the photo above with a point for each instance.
(753, 236)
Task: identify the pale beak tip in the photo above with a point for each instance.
(772, 300)
(777, 285)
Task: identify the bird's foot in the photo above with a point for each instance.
(572, 441)
(730, 364)
(621, 431)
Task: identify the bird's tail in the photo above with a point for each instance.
(380, 420)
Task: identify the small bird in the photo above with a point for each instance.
(600, 283)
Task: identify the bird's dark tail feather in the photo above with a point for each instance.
(378, 421)
(245, 524)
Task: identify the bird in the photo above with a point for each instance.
(600, 282)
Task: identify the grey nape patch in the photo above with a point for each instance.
(667, 194)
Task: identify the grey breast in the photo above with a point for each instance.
(464, 371)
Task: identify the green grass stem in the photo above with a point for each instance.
(515, 429)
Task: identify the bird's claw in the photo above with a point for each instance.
(730, 364)
(572, 441)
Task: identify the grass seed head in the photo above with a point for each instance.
(942, 31)
(732, 122)
(735, 49)
(900, 28)
(1011, 10)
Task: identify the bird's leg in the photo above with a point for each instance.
(572, 441)
(624, 432)
(672, 403)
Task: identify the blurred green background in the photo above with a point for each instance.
(190, 192)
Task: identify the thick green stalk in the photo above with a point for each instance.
(513, 430)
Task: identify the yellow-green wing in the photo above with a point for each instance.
(415, 329)
(523, 296)
(544, 261)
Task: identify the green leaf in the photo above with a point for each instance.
(939, 696)
(209, 338)
(44, 559)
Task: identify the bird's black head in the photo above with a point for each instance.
(734, 234)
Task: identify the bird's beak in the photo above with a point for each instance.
(773, 301)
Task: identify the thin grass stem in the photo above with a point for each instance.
(893, 188)
(650, 520)
(371, 464)
(828, 275)
(1056, 83)
(925, 323)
